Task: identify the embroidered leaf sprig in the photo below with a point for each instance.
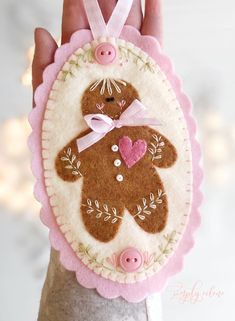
(113, 266)
(66, 73)
(78, 61)
(156, 147)
(102, 211)
(126, 53)
(145, 209)
(167, 248)
(84, 251)
(86, 57)
(71, 162)
(113, 263)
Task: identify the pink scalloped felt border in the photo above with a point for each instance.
(87, 278)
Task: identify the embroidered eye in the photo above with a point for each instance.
(109, 100)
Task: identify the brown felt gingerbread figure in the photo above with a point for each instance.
(119, 171)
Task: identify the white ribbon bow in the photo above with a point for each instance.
(101, 124)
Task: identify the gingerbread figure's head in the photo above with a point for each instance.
(109, 97)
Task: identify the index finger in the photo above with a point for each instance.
(74, 18)
(152, 23)
(45, 47)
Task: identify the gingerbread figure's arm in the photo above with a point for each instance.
(68, 162)
(163, 154)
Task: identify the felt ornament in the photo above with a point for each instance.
(116, 159)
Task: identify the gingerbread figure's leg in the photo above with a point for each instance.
(102, 219)
(151, 211)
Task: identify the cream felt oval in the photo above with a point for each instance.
(63, 115)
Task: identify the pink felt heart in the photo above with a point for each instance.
(132, 153)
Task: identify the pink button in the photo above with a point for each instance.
(105, 53)
(131, 260)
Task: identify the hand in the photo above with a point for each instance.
(74, 18)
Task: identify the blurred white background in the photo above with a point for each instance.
(199, 37)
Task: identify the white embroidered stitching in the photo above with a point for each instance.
(102, 90)
(145, 209)
(102, 211)
(70, 159)
(109, 87)
(95, 85)
(156, 148)
(107, 83)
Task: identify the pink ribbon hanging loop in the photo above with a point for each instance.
(101, 125)
(116, 22)
(119, 17)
